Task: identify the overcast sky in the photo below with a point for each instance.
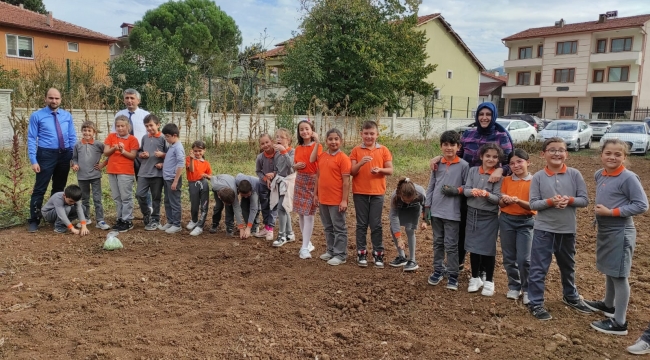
(481, 24)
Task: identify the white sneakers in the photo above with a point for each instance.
(525, 300)
(639, 348)
(190, 225)
(488, 288)
(304, 254)
(173, 229)
(513, 294)
(261, 233)
(335, 261)
(474, 284)
(310, 246)
(162, 227)
(196, 231)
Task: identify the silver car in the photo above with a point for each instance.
(600, 127)
(575, 133)
(634, 133)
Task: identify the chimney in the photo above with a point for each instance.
(49, 19)
(21, 6)
(602, 18)
(559, 23)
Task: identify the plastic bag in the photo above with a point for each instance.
(112, 242)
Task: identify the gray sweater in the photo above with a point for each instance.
(148, 166)
(56, 203)
(284, 163)
(393, 215)
(87, 156)
(223, 181)
(264, 165)
(623, 194)
(476, 180)
(546, 185)
(254, 198)
(446, 207)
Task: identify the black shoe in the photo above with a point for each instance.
(540, 313)
(214, 228)
(577, 305)
(146, 219)
(362, 258)
(398, 261)
(379, 259)
(32, 226)
(600, 306)
(118, 225)
(610, 326)
(126, 226)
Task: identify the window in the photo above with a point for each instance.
(523, 78)
(540, 51)
(564, 75)
(567, 111)
(567, 47)
(74, 47)
(526, 52)
(601, 45)
(450, 74)
(125, 31)
(619, 45)
(20, 46)
(538, 78)
(617, 74)
(436, 94)
(599, 76)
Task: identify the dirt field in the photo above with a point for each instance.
(212, 297)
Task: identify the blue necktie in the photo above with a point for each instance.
(131, 123)
(59, 133)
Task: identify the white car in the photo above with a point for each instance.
(635, 133)
(575, 133)
(600, 127)
(520, 131)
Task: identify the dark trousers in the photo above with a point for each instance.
(368, 209)
(199, 201)
(149, 191)
(55, 166)
(218, 209)
(461, 230)
(268, 215)
(96, 186)
(246, 211)
(545, 245)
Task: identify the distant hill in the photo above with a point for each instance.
(499, 69)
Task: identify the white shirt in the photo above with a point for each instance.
(139, 130)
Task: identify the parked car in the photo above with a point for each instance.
(520, 131)
(647, 120)
(576, 133)
(533, 120)
(635, 133)
(545, 122)
(461, 129)
(600, 127)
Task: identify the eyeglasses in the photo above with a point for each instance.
(556, 151)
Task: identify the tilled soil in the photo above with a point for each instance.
(213, 297)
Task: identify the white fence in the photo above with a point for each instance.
(219, 127)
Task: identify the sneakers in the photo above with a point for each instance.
(125, 226)
(88, 222)
(410, 266)
(335, 261)
(292, 237)
(146, 219)
(118, 225)
(398, 261)
(230, 233)
(214, 228)
(306, 254)
(326, 256)
(540, 313)
(190, 225)
(60, 229)
(102, 225)
(435, 278)
(164, 227)
(152, 226)
(379, 259)
(196, 231)
(597, 306)
(281, 240)
(173, 229)
(269, 235)
(32, 226)
(261, 233)
(310, 247)
(362, 258)
(639, 348)
(513, 294)
(610, 326)
(483, 275)
(452, 283)
(488, 288)
(525, 300)
(577, 305)
(474, 284)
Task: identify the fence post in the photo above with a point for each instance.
(467, 114)
(392, 123)
(451, 108)
(447, 114)
(201, 116)
(67, 63)
(411, 105)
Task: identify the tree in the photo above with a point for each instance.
(33, 5)
(364, 51)
(200, 31)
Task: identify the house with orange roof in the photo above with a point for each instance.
(490, 89)
(589, 70)
(456, 78)
(29, 37)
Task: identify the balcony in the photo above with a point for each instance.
(630, 88)
(521, 63)
(521, 89)
(617, 58)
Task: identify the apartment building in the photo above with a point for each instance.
(584, 70)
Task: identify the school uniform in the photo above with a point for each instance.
(482, 213)
(58, 212)
(446, 212)
(554, 231)
(199, 189)
(516, 232)
(150, 179)
(265, 164)
(250, 206)
(408, 216)
(303, 198)
(87, 154)
(332, 169)
(174, 159)
(368, 191)
(283, 167)
(121, 175)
